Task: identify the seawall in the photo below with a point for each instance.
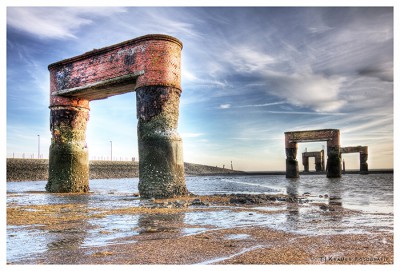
(37, 169)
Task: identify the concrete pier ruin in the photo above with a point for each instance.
(319, 157)
(363, 150)
(331, 136)
(149, 65)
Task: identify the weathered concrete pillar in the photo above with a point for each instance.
(68, 155)
(161, 169)
(363, 160)
(334, 163)
(318, 163)
(292, 165)
(150, 65)
(306, 163)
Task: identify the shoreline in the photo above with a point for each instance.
(19, 169)
(371, 171)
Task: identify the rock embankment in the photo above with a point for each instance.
(37, 169)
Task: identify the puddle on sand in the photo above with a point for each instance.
(308, 220)
(23, 241)
(230, 219)
(117, 229)
(105, 201)
(270, 208)
(109, 229)
(241, 236)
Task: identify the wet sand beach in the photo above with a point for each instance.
(120, 228)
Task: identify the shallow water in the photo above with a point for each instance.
(370, 195)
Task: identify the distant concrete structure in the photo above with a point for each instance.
(363, 150)
(319, 160)
(331, 136)
(149, 65)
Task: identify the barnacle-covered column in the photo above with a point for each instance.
(161, 168)
(305, 163)
(318, 162)
(363, 160)
(68, 155)
(292, 165)
(334, 162)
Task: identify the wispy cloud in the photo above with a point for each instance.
(315, 91)
(360, 43)
(299, 85)
(371, 125)
(54, 23)
(169, 21)
(307, 113)
(314, 70)
(246, 59)
(260, 105)
(225, 106)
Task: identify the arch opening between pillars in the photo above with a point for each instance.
(331, 136)
(149, 65)
(319, 158)
(363, 150)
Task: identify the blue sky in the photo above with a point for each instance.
(248, 75)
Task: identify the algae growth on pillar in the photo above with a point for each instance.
(334, 161)
(68, 154)
(161, 168)
(292, 165)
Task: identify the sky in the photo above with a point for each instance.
(249, 74)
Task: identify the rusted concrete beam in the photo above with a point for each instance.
(311, 154)
(103, 89)
(311, 135)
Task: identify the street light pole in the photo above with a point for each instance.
(111, 150)
(38, 146)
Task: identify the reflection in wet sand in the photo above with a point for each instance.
(80, 228)
(169, 224)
